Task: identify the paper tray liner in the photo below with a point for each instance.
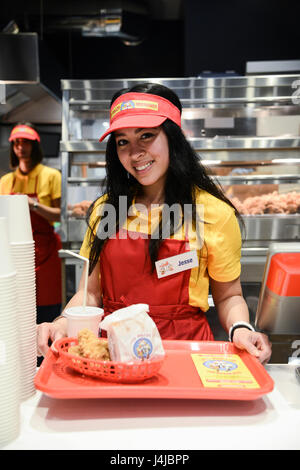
(178, 377)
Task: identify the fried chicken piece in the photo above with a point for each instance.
(85, 337)
(92, 347)
(271, 203)
(254, 205)
(75, 350)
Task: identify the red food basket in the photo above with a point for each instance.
(123, 372)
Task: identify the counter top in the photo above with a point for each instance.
(271, 422)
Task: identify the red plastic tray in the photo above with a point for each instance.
(177, 379)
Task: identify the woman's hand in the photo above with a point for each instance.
(58, 328)
(31, 202)
(50, 331)
(52, 214)
(232, 308)
(255, 343)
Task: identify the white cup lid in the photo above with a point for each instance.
(83, 312)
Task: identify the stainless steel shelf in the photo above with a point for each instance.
(199, 100)
(250, 179)
(188, 82)
(79, 180)
(211, 91)
(245, 143)
(216, 143)
(258, 179)
(82, 146)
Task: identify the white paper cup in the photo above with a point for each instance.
(6, 264)
(23, 247)
(16, 209)
(28, 284)
(81, 317)
(8, 279)
(7, 294)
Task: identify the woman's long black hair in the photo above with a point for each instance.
(185, 173)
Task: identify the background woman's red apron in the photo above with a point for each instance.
(47, 262)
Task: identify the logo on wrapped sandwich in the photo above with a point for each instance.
(142, 348)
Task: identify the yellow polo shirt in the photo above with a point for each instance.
(43, 180)
(217, 242)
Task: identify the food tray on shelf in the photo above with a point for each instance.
(191, 370)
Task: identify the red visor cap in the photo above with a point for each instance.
(141, 110)
(24, 132)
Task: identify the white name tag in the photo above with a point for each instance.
(176, 264)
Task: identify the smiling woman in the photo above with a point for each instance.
(144, 153)
(150, 162)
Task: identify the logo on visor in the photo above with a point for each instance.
(23, 129)
(130, 104)
(127, 105)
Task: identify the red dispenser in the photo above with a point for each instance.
(279, 303)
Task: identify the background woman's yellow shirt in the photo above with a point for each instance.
(48, 185)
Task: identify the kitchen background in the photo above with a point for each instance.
(108, 39)
(235, 64)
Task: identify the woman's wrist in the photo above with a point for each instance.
(238, 325)
(60, 323)
(57, 318)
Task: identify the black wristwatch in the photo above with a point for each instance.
(239, 324)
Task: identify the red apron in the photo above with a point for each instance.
(47, 262)
(126, 278)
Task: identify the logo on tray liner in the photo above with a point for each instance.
(220, 365)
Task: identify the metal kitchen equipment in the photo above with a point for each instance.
(246, 130)
(278, 309)
(23, 97)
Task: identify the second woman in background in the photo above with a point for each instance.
(42, 185)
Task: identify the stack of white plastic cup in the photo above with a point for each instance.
(9, 343)
(16, 209)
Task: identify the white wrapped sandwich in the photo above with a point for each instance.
(132, 334)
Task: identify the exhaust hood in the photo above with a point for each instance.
(131, 27)
(23, 96)
(32, 102)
